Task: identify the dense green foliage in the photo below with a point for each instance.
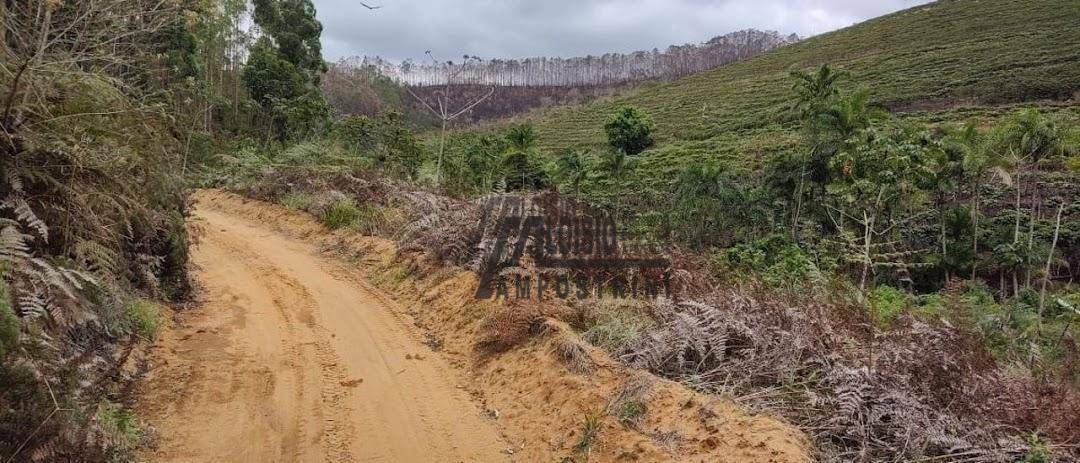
(270, 76)
(629, 131)
(295, 32)
(283, 70)
(385, 139)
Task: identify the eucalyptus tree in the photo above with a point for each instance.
(284, 67)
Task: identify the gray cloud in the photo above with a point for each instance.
(404, 29)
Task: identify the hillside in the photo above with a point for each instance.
(951, 60)
(214, 246)
(368, 85)
(607, 69)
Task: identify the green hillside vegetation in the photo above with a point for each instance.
(952, 60)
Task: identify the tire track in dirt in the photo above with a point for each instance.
(317, 367)
(306, 345)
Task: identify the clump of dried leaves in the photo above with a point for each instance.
(912, 392)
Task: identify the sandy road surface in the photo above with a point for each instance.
(290, 359)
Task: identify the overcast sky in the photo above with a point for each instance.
(403, 29)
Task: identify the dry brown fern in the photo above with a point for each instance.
(509, 326)
(573, 354)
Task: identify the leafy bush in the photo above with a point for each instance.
(710, 208)
(141, 318)
(342, 213)
(887, 303)
(1038, 451)
(319, 154)
(777, 262)
(629, 131)
(614, 324)
(385, 141)
(930, 305)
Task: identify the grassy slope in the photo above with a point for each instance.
(952, 60)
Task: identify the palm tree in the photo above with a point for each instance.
(814, 92)
(977, 161)
(708, 203)
(573, 168)
(846, 115)
(1027, 139)
(518, 159)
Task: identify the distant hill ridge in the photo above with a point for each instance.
(603, 70)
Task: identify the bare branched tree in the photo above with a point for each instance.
(444, 113)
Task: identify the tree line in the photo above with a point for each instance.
(607, 69)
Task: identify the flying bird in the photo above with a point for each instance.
(365, 5)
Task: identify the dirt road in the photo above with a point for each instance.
(290, 358)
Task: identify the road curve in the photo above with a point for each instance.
(290, 358)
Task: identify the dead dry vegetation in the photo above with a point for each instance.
(912, 390)
(91, 220)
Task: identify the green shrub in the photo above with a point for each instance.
(120, 426)
(629, 130)
(887, 303)
(777, 262)
(615, 323)
(631, 412)
(318, 154)
(141, 318)
(296, 200)
(342, 213)
(385, 142)
(930, 305)
(1038, 452)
